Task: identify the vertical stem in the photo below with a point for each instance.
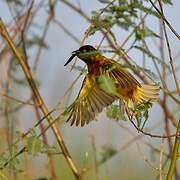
(95, 158)
(174, 154)
(45, 141)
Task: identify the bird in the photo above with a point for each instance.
(93, 97)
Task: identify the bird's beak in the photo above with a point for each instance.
(74, 53)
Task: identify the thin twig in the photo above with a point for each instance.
(95, 157)
(130, 117)
(147, 160)
(164, 19)
(66, 30)
(169, 50)
(161, 160)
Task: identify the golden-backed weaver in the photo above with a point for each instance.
(92, 97)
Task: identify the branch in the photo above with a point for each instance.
(165, 20)
(151, 135)
(169, 49)
(38, 98)
(174, 154)
(130, 117)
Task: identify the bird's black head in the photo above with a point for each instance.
(86, 48)
(84, 53)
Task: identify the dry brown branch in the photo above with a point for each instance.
(37, 113)
(38, 99)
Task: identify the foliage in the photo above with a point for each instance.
(142, 33)
(123, 14)
(141, 113)
(35, 40)
(116, 112)
(34, 144)
(17, 2)
(107, 153)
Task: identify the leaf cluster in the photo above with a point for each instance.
(35, 146)
(107, 153)
(121, 13)
(116, 112)
(141, 113)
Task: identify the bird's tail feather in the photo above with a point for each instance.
(146, 93)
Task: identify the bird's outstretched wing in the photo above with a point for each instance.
(90, 101)
(123, 78)
(128, 88)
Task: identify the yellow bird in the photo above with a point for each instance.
(94, 97)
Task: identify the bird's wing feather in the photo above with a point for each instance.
(90, 101)
(118, 73)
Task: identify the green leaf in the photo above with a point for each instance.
(3, 160)
(148, 10)
(32, 132)
(11, 159)
(168, 2)
(104, 1)
(101, 22)
(115, 112)
(36, 40)
(15, 159)
(142, 33)
(49, 149)
(33, 143)
(107, 153)
(121, 13)
(17, 2)
(107, 84)
(141, 113)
